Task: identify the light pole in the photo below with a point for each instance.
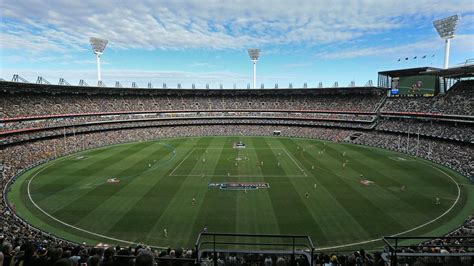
(446, 29)
(98, 47)
(254, 54)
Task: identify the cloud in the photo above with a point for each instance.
(200, 65)
(64, 25)
(463, 43)
(54, 34)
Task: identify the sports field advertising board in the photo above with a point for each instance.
(421, 85)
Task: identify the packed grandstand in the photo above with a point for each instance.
(43, 122)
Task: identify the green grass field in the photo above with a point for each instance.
(309, 193)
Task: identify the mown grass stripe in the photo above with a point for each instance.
(119, 204)
(355, 201)
(80, 183)
(335, 224)
(141, 214)
(125, 168)
(184, 227)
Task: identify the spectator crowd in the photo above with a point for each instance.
(441, 130)
(446, 143)
(458, 101)
(30, 104)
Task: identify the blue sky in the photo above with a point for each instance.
(205, 41)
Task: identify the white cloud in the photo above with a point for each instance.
(463, 43)
(200, 65)
(65, 25)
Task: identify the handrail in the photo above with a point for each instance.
(395, 254)
(309, 246)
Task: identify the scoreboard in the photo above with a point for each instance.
(420, 85)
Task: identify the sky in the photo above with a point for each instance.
(205, 42)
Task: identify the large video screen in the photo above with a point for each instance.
(422, 85)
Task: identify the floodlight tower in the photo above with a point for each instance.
(98, 46)
(446, 29)
(254, 54)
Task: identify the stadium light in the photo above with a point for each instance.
(446, 29)
(98, 47)
(254, 54)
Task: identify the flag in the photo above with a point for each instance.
(414, 57)
(399, 59)
(424, 56)
(406, 58)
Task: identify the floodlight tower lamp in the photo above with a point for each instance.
(98, 47)
(446, 29)
(254, 54)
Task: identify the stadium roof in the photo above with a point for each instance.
(407, 71)
(12, 87)
(453, 72)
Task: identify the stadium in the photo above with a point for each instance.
(359, 175)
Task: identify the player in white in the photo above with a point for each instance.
(193, 201)
(149, 165)
(437, 201)
(315, 185)
(165, 233)
(306, 195)
(312, 167)
(278, 164)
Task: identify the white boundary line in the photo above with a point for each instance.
(409, 230)
(294, 161)
(69, 225)
(324, 248)
(283, 149)
(177, 166)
